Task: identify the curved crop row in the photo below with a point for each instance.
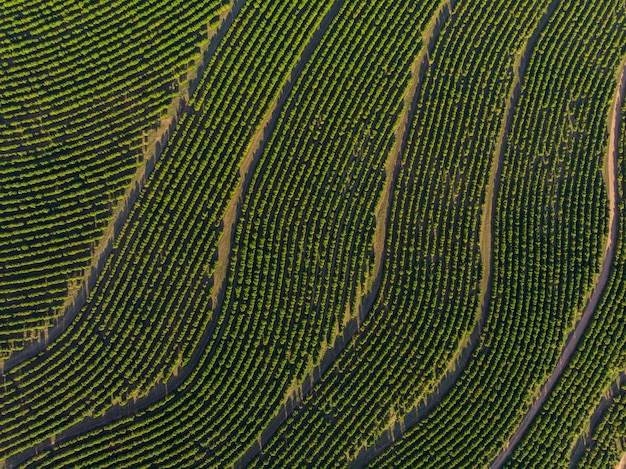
(429, 296)
(290, 286)
(366, 298)
(561, 430)
(549, 230)
(84, 86)
(609, 441)
(153, 302)
(566, 415)
(377, 234)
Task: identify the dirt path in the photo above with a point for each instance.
(464, 352)
(225, 244)
(179, 107)
(253, 154)
(582, 442)
(622, 462)
(609, 252)
(365, 302)
(156, 142)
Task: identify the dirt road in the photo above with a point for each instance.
(609, 253)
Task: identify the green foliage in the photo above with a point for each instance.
(80, 87)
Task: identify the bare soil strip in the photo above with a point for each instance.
(383, 209)
(156, 141)
(615, 119)
(464, 352)
(622, 462)
(583, 441)
(617, 388)
(225, 244)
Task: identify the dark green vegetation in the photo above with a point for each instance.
(83, 86)
(370, 233)
(609, 441)
(593, 380)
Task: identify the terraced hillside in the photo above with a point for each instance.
(312, 233)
